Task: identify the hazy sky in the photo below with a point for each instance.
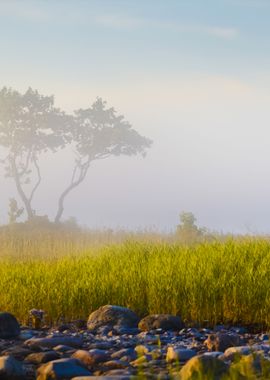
(192, 75)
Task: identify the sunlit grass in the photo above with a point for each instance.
(215, 282)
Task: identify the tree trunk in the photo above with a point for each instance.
(26, 201)
(74, 183)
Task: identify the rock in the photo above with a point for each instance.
(161, 321)
(214, 354)
(141, 350)
(17, 352)
(179, 354)
(63, 348)
(25, 335)
(125, 352)
(9, 326)
(115, 364)
(111, 316)
(92, 357)
(11, 369)
(54, 341)
(252, 366)
(233, 352)
(122, 377)
(203, 367)
(61, 369)
(221, 341)
(42, 357)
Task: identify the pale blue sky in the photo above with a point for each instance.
(192, 75)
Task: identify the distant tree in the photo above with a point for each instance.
(29, 126)
(14, 211)
(99, 133)
(187, 231)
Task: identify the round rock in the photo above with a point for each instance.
(161, 321)
(9, 326)
(204, 367)
(110, 316)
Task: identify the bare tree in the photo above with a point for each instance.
(29, 126)
(99, 133)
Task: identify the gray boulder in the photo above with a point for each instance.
(110, 316)
(61, 369)
(222, 341)
(161, 321)
(9, 326)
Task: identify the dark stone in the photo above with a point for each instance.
(54, 341)
(9, 326)
(17, 352)
(11, 369)
(42, 357)
(161, 321)
(62, 369)
(222, 341)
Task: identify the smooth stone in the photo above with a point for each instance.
(61, 369)
(161, 321)
(63, 348)
(110, 316)
(204, 367)
(9, 326)
(179, 354)
(54, 341)
(91, 357)
(18, 352)
(214, 354)
(11, 369)
(125, 352)
(42, 357)
(25, 335)
(233, 352)
(222, 341)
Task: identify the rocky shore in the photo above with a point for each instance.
(115, 344)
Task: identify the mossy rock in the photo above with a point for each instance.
(112, 316)
(204, 367)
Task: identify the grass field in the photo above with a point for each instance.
(215, 282)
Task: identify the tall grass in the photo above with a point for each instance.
(218, 282)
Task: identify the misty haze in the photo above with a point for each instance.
(134, 204)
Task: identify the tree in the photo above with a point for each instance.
(29, 126)
(98, 134)
(187, 231)
(14, 211)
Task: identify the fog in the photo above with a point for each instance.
(192, 78)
